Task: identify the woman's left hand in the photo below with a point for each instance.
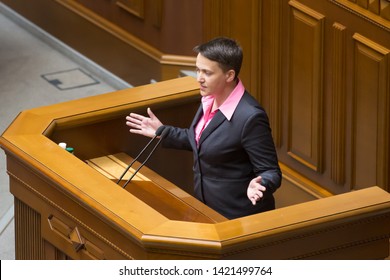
(255, 190)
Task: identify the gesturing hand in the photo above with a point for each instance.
(142, 125)
(255, 190)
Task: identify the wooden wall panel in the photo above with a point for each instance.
(339, 97)
(305, 86)
(371, 114)
(353, 108)
(269, 75)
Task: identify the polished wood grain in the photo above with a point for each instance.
(305, 61)
(75, 212)
(147, 186)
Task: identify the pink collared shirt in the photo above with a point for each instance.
(227, 108)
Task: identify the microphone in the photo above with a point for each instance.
(162, 132)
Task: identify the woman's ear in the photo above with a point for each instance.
(230, 75)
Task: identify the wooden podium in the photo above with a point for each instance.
(66, 208)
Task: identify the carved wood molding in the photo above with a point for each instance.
(305, 126)
(338, 104)
(28, 237)
(134, 7)
(275, 69)
(126, 37)
(256, 50)
(304, 183)
(36, 216)
(375, 11)
(370, 152)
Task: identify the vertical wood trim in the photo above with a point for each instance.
(305, 83)
(29, 244)
(211, 19)
(256, 50)
(370, 152)
(157, 13)
(338, 104)
(275, 69)
(226, 18)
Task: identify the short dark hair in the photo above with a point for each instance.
(227, 52)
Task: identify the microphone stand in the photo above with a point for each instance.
(150, 154)
(160, 131)
(134, 160)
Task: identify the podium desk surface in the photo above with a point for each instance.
(155, 191)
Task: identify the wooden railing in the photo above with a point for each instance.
(375, 10)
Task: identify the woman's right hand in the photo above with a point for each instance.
(142, 125)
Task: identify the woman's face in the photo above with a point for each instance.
(211, 78)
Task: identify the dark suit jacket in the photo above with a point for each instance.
(230, 154)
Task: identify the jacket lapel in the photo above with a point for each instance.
(214, 123)
(191, 132)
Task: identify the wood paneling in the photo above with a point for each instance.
(135, 7)
(305, 86)
(371, 114)
(269, 75)
(335, 110)
(76, 212)
(29, 244)
(338, 117)
(376, 11)
(319, 68)
(164, 25)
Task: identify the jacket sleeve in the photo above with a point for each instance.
(258, 143)
(177, 138)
